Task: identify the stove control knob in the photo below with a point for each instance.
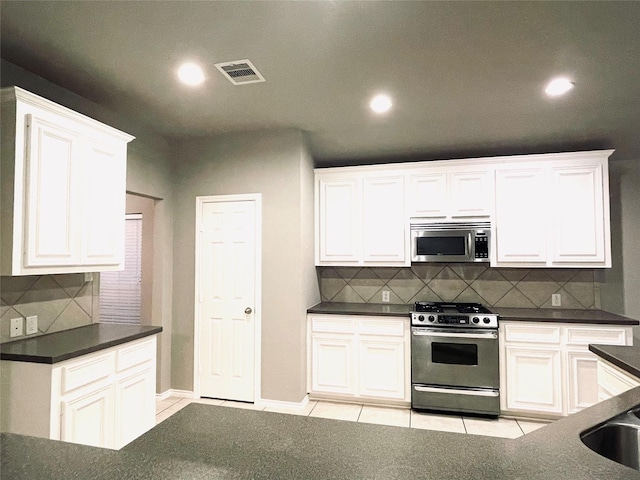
(421, 318)
(476, 320)
(486, 320)
(432, 318)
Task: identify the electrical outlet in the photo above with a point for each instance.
(17, 327)
(88, 277)
(32, 325)
(556, 300)
(385, 295)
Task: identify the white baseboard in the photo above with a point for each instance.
(263, 402)
(172, 392)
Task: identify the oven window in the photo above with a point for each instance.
(441, 245)
(454, 353)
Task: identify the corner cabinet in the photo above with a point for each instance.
(104, 399)
(360, 219)
(612, 380)
(63, 189)
(354, 357)
(553, 211)
(547, 370)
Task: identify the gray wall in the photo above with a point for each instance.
(620, 289)
(148, 173)
(275, 164)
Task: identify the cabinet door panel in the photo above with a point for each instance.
(381, 366)
(135, 406)
(428, 195)
(578, 217)
(521, 233)
(470, 194)
(384, 231)
(104, 173)
(583, 380)
(534, 380)
(333, 365)
(339, 220)
(89, 419)
(52, 197)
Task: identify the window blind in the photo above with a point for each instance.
(120, 292)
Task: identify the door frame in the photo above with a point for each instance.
(257, 309)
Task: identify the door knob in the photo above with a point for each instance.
(248, 310)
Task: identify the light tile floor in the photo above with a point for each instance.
(400, 417)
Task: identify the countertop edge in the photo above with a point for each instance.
(600, 351)
(50, 360)
(564, 316)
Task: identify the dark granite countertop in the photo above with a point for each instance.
(210, 442)
(507, 314)
(59, 346)
(625, 357)
(562, 315)
(375, 309)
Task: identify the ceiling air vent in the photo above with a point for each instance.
(240, 72)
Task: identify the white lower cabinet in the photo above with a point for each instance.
(359, 357)
(534, 380)
(332, 367)
(547, 369)
(87, 418)
(613, 381)
(104, 399)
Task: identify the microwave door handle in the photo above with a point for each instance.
(423, 333)
(470, 246)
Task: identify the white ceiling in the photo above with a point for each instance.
(467, 78)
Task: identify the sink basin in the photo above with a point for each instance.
(617, 442)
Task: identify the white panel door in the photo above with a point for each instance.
(428, 195)
(135, 405)
(340, 219)
(52, 196)
(578, 215)
(382, 369)
(521, 220)
(88, 419)
(384, 236)
(104, 179)
(333, 365)
(533, 380)
(226, 279)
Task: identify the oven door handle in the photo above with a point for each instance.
(427, 333)
(456, 391)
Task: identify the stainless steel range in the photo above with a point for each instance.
(455, 358)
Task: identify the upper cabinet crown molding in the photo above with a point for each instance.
(63, 189)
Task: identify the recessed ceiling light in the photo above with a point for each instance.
(380, 103)
(190, 74)
(558, 86)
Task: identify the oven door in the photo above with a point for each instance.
(459, 357)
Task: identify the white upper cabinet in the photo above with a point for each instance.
(383, 230)
(63, 189)
(521, 216)
(360, 219)
(338, 224)
(553, 211)
(548, 210)
(578, 214)
(451, 192)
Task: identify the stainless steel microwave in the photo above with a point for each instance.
(450, 242)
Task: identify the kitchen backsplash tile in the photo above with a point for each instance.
(61, 302)
(503, 287)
